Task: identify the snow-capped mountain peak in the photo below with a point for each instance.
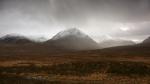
(73, 39)
(69, 32)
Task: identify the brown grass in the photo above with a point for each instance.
(75, 67)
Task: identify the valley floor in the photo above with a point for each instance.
(83, 67)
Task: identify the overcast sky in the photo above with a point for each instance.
(126, 19)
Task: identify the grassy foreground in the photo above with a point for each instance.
(106, 72)
(120, 65)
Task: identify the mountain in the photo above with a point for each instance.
(146, 41)
(14, 39)
(115, 42)
(73, 39)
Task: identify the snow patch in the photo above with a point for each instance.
(69, 32)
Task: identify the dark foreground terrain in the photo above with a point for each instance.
(119, 65)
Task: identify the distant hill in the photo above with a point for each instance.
(14, 39)
(147, 41)
(73, 39)
(115, 42)
(17, 45)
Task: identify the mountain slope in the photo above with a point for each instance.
(73, 39)
(147, 41)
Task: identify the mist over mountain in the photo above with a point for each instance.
(69, 39)
(73, 39)
(14, 39)
(115, 42)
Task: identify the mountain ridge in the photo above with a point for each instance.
(15, 39)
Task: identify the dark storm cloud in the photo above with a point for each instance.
(115, 10)
(96, 17)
